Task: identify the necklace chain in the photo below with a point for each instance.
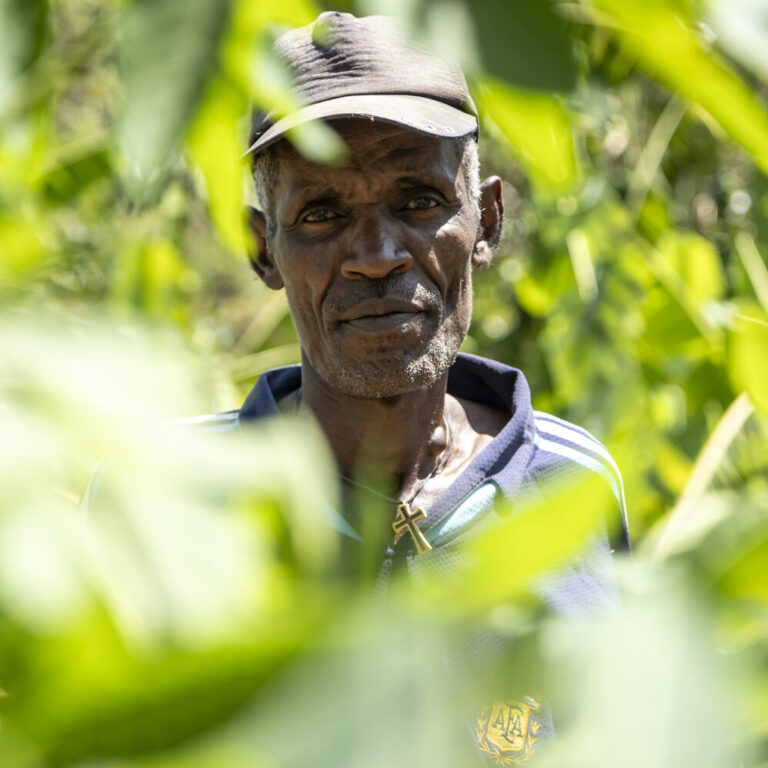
(445, 456)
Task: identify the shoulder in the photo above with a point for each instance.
(563, 450)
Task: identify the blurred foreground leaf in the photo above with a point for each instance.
(537, 127)
(748, 356)
(155, 609)
(167, 51)
(670, 50)
(23, 26)
(216, 148)
(480, 35)
(540, 535)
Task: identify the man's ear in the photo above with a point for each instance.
(259, 254)
(491, 219)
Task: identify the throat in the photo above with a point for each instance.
(393, 444)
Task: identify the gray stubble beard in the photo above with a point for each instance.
(390, 378)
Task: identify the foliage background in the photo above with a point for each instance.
(631, 287)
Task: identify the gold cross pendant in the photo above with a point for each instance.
(407, 520)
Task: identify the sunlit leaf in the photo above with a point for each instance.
(748, 356)
(158, 609)
(694, 512)
(669, 49)
(537, 127)
(264, 79)
(22, 249)
(250, 31)
(537, 534)
(539, 291)
(746, 578)
(147, 276)
(656, 663)
(696, 261)
(216, 147)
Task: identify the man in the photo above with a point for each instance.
(376, 256)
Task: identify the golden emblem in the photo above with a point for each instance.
(508, 730)
(408, 520)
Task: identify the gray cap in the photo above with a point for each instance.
(343, 66)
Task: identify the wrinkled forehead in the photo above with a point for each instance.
(376, 147)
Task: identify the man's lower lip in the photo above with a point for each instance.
(381, 323)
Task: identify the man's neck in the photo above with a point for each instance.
(397, 441)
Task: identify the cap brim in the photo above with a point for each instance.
(419, 113)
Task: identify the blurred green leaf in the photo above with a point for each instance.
(252, 29)
(543, 58)
(167, 51)
(748, 356)
(537, 127)
(696, 261)
(160, 608)
(22, 248)
(655, 662)
(216, 148)
(746, 578)
(469, 33)
(538, 534)
(670, 50)
(23, 27)
(540, 290)
(148, 276)
(75, 174)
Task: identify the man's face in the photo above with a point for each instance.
(376, 258)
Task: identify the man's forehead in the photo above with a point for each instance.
(375, 145)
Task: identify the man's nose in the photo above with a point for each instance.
(374, 252)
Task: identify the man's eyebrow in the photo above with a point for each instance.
(310, 193)
(425, 177)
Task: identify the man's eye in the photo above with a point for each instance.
(320, 215)
(420, 204)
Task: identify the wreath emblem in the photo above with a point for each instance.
(507, 731)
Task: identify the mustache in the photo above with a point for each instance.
(354, 292)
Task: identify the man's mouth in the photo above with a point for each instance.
(386, 322)
(381, 315)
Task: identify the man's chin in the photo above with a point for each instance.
(388, 377)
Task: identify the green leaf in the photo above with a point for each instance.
(167, 51)
(216, 148)
(667, 47)
(696, 261)
(536, 126)
(147, 276)
(71, 177)
(540, 290)
(23, 26)
(524, 43)
(249, 34)
(538, 534)
(22, 248)
(748, 356)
